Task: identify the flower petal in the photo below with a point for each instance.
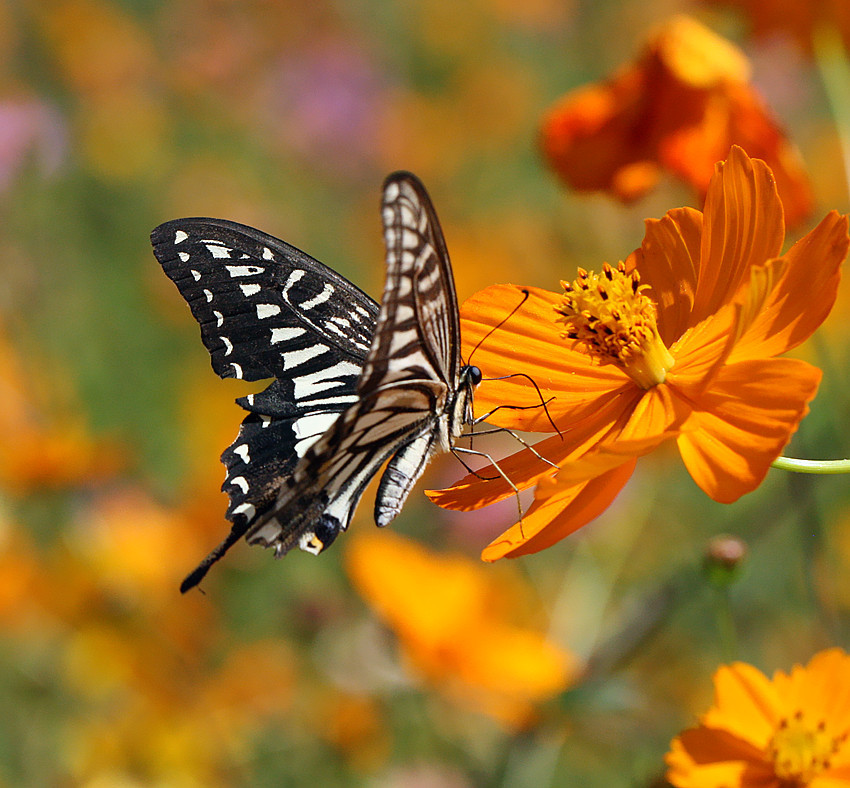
(528, 341)
(804, 295)
(550, 520)
(746, 704)
(588, 135)
(703, 349)
(705, 758)
(668, 260)
(743, 227)
(740, 425)
(822, 685)
(653, 420)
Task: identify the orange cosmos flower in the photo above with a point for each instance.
(455, 626)
(677, 342)
(679, 108)
(792, 732)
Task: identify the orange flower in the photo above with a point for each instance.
(677, 342)
(458, 634)
(792, 732)
(45, 444)
(797, 18)
(679, 108)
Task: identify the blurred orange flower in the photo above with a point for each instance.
(45, 444)
(677, 342)
(791, 732)
(453, 622)
(797, 18)
(678, 108)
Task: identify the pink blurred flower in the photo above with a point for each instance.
(30, 128)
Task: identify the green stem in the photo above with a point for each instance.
(811, 466)
(834, 70)
(726, 625)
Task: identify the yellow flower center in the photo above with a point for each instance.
(801, 749)
(615, 321)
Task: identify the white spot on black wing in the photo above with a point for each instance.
(267, 310)
(241, 482)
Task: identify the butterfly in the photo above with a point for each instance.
(354, 384)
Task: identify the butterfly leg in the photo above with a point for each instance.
(463, 450)
(516, 437)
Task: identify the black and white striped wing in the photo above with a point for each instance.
(419, 312)
(409, 381)
(267, 310)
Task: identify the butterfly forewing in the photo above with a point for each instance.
(268, 310)
(419, 315)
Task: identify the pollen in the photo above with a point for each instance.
(610, 316)
(801, 749)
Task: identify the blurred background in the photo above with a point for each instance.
(573, 667)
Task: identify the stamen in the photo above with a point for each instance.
(800, 749)
(615, 322)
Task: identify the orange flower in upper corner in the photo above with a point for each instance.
(797, 18)
(792, 732)
(679, 108)
(454, 623)
(677, 342)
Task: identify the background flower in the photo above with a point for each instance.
(793, 730)
(463, 635)
(678, 109)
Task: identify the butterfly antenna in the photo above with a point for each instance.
(502, 322)
(194, 577)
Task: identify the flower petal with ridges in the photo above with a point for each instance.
(549, 520)
(738, 427)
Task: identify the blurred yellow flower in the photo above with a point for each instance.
(789, 732)
(125, 535)
(45, 444)
(453, 622)
(679, 108)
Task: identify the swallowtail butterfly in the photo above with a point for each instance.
(354, 384)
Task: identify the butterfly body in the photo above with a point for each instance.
(355, 385)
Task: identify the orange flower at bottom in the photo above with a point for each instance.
(452, 620)
(791, 732)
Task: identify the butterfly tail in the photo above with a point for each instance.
(237, 531)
